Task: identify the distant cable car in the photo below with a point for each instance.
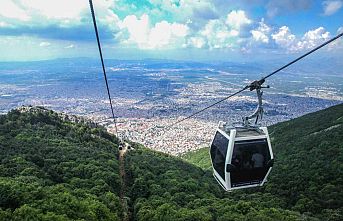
(242, 155)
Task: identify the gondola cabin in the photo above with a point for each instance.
(241, 157)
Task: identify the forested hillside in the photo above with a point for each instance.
(308, 171)
(55, 169)
(167, 188)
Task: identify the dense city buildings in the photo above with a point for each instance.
(148, 96)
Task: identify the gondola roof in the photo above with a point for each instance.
(242, 132)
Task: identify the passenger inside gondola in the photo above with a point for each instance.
(246, 159)
(237, 159)
(257, 159)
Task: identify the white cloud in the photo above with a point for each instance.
(313, 38)
(10, 10)
(218, 35)
(259, 36)
(165, 33)
(332, 6)
(61, 9)
(138, 28)
(221, 33)
(197, 42)
(261, 33)
(66, 13)
(147, 31)
(237, 19)
(284, 38)
(190, 23)
(44, 44)
(161, 34)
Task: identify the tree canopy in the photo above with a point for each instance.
(55, 168)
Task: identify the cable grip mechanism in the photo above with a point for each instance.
(258, 113)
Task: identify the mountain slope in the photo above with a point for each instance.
(309, 166)
(166, 188)
(308, 170)
(52, 169)
(199, 157)
(57, 167)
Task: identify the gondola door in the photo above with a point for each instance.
(218, 153)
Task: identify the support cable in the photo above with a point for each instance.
(301, 57)
(258, 83)
(103, 66)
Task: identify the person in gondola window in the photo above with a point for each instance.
(257, 160)
(247, 164)
(237, 159)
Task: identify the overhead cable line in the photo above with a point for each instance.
(208, 107)
(301, 57)
(103, 65)
(253, 85)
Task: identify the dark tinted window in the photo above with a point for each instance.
(218, 153)
(250, 159)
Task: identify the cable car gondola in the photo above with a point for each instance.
(242, 155)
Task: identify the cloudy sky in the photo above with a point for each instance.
(173, 29)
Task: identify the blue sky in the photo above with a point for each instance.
(171, 29)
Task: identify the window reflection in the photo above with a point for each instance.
(218, 153)
(250, 159)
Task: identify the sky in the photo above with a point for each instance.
(214, 30)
